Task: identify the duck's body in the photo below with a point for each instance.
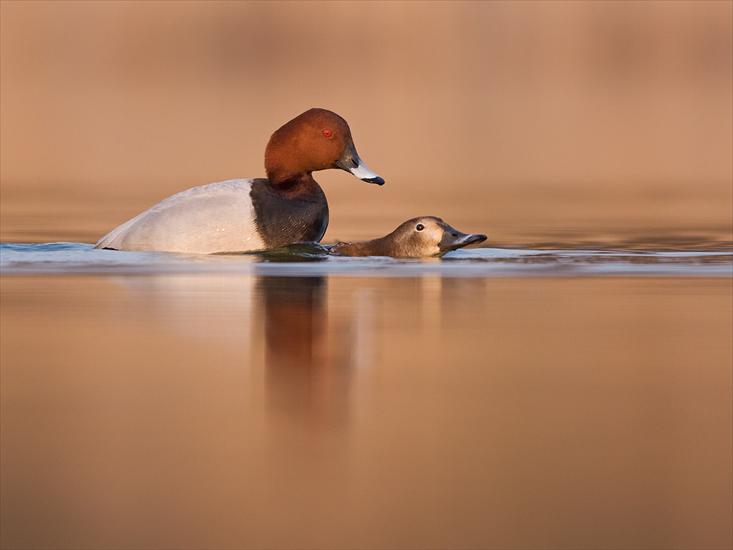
(214, 217)
(233, 215)
(253, 214)
(415, 238)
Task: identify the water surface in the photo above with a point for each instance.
(495, 399)
(314, 260)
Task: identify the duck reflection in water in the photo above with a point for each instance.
(307, 366)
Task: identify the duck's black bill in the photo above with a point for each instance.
(474, 238)
(377, 180)
(454, 240)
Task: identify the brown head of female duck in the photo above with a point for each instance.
(416, 238)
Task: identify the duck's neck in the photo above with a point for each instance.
(294, 185)
(375, 247)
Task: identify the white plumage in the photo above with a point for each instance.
(218, 217)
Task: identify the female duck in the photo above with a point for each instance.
(416, 238)
(253, 214)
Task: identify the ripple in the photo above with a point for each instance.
(307, 260)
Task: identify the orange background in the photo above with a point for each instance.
(526, 120)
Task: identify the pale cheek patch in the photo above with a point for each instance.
(429, 240)
(436, 234)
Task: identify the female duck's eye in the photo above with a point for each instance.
(419, 227)
(327, 132)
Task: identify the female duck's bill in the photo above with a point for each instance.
(454, 239)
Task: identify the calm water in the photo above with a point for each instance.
(495, 399)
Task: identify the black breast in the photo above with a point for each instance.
(292, 216)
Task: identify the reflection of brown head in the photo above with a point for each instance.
(305, 379)
(294, 318)
(318, 139)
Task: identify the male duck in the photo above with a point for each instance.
(253, 214)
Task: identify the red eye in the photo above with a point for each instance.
(327, 132)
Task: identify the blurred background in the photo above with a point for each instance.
(531, 121)
(255, 411)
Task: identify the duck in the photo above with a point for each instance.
(247, 215)
(416, 238)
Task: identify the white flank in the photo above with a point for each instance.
(218, 217)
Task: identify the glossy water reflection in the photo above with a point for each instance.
(230, 411)
(308, 366)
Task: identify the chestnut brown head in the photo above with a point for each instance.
(316, 140)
